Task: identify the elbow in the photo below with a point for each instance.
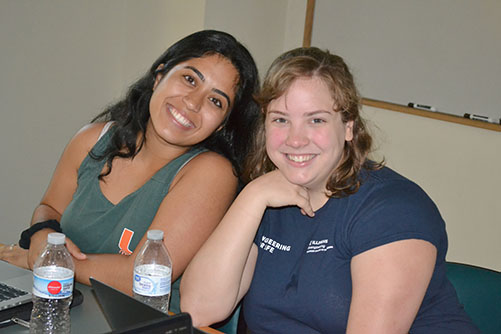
(206, 304)
(197, 310)
(203, 313)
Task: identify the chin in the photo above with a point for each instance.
(298, 181)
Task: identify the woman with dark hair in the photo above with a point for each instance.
(323, 240)
(168, 156)
(132, 114)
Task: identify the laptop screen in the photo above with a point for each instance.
(128, 315)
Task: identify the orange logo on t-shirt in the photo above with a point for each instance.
(124, 241)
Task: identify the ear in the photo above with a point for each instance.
(348, 134)
(159, 75)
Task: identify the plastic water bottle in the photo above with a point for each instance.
(153, 272)
(53, 275)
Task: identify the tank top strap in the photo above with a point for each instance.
(97, 150)
(105, 128)
(104, 139)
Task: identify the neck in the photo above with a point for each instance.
(157, 150)
(318, 199)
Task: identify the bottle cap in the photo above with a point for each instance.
(56, 238)
(155, 234)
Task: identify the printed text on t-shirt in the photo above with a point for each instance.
(271, 245)
(316, 246)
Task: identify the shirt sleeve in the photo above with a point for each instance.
(394, 211)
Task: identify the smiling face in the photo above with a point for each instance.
(191, 101)
(305, 137)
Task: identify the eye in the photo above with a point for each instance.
(279, 120)
(318, 121)
(217, 102)
(189, 79)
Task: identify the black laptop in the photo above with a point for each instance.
(128, 315)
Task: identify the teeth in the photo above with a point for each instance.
(180, 118)
(300, 158)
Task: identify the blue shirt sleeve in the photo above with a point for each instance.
(394, 211)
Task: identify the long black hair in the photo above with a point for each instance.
(131, 114)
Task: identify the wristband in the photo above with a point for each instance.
(25, 240)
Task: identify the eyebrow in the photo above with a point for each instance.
(313, 113)
(308, 114)
(215, 90)
(276, 112)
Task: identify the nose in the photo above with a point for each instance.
(297, 137)
(193, 100)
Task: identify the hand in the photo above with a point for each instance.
(74, 250)
(15, 255)
(38, 242)
(277, 191)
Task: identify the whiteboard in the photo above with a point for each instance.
(442, 53)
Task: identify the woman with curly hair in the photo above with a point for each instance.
(323, 240)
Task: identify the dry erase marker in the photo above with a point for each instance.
(421, 106)
(482, 118)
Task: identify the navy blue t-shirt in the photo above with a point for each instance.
(302, 279)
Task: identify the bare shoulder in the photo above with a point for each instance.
(88, 134)
(83, 141)
(210, 162)
(208, 167)
(211, 159)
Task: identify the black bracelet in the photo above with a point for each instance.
(25, 240)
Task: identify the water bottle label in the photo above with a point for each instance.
(152, 280)
(52, 282)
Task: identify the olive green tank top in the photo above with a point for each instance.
(96, 225)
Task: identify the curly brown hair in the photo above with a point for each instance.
(331, 69)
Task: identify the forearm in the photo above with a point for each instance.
(113, 269)
(212, 281)
(38, 239)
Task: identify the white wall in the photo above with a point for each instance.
(294, 31)
(259, 24)
(459, 167)
(62, 62)
(267, 28)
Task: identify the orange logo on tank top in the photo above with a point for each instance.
(124, 242)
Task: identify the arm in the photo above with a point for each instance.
(197, 200)
(221, 272)
(389, 283)
(62, 187)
